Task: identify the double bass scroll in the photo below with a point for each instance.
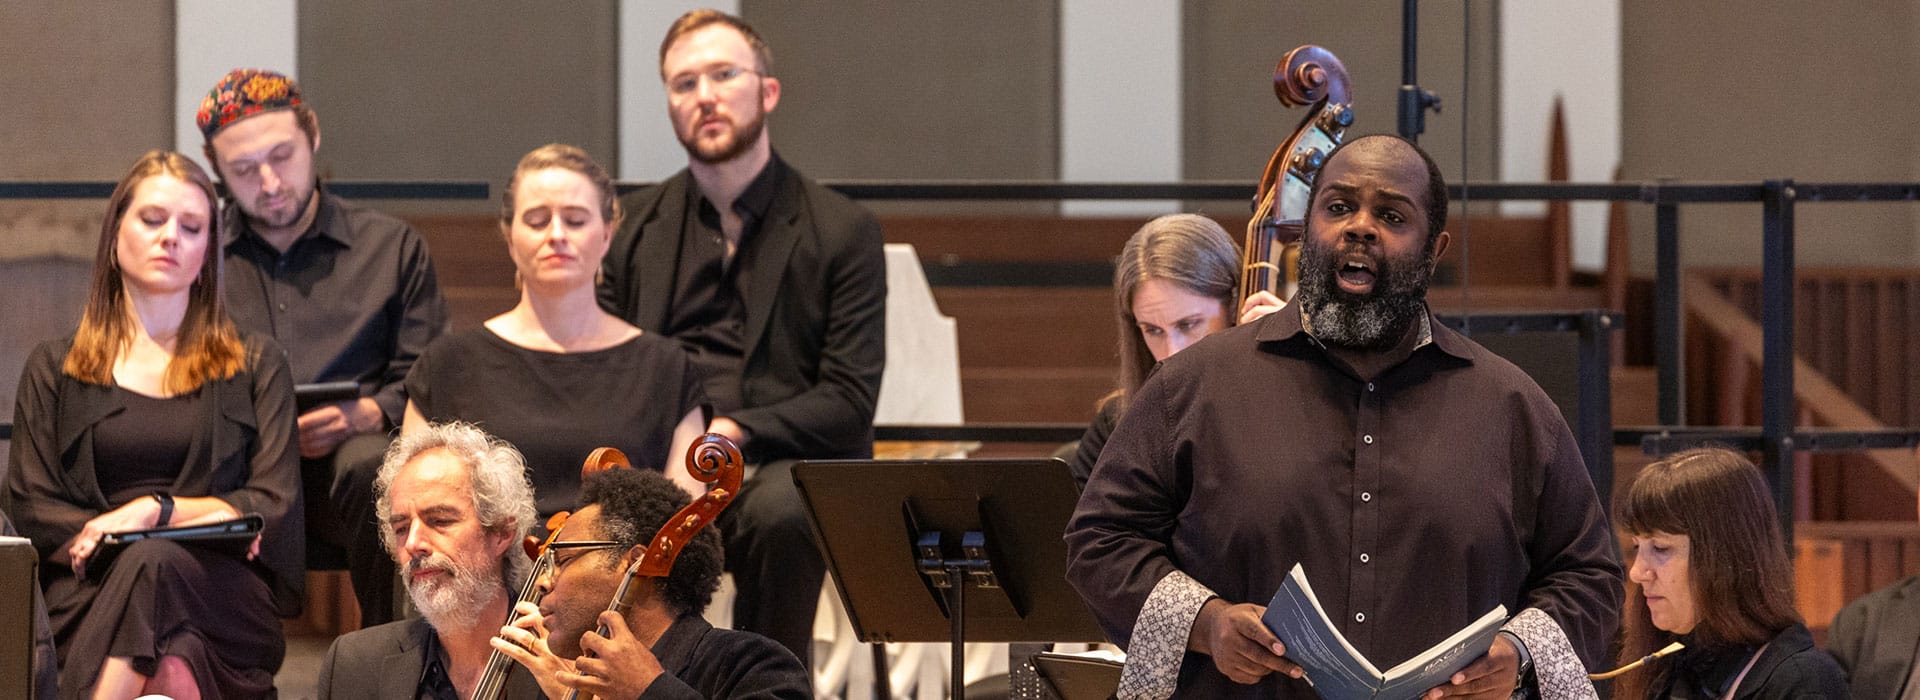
(1307, 75)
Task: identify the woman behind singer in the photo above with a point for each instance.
(157, 412)
(1173, 284)
(556, 376)
(1712, 573)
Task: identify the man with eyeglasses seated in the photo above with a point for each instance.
(661, 647)
(456, 503)
(777, 288)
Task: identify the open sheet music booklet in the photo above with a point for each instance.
(1338, 671)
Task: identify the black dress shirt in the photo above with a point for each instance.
(435, 684)
(1415, 502)
(701, 661)
(353, 299)
(709, 311)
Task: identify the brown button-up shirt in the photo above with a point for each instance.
(1416, 502)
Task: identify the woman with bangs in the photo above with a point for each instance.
(1711, 572)
(155, 413)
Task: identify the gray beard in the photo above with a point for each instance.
(454, 602)
(1372, 321)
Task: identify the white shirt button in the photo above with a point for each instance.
(1367, 439)
(1364, 558)
(1366, 496)
(1359, 617)
(1369, 386)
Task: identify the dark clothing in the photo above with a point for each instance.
(815, 336)
(1876, 640)
(163, 598)
(435, 684)
(1087, 452)
(353, 299)
(1415, 503)
(398, 660)
(814, 344)
(708, 309)
(558, 407)
(1789, 667)
(147, 442)
(703, 662)
(242, 452)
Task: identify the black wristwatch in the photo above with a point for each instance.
(166, 508)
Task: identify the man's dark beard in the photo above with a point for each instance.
(743, 138)
(303, 195)
(1372, 321)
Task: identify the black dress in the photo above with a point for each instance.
(557, 407)
(82, 449)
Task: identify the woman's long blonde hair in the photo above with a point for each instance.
(208, 346)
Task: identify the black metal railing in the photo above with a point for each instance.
(1778, 437)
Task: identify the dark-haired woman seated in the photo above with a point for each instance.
(156, 412)
(556, 376)
(1711, 571)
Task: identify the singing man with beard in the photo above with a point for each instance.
(455, 503)
(1418, 479)
(777, 289)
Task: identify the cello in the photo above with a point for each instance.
(1307, 75)
(493, 681)
(713, 459)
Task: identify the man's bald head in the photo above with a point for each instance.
(1396, 147)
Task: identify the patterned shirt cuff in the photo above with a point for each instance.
(1159, 640)
(1557, 670)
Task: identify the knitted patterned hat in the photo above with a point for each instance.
(244, 93)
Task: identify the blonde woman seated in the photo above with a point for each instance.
(157, 412)
(1712, 573)
(556, 376)
(1173, 284)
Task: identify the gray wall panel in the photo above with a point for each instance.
(879, 89)
(1742, 91)
(1234, 122)
(446, 90)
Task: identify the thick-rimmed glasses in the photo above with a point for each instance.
(581, 546)
(721, 75)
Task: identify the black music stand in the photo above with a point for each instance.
(948, 550)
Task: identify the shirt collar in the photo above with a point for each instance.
(1293, 322)
(755, 201)
(434, 679)
(241, 228)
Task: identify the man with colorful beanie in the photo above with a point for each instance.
(348, 291)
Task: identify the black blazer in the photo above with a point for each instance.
(815, 336)
(1874, 639)
(385, 661)
(244, 454)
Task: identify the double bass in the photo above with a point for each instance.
(1307, 75)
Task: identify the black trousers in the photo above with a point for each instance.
(339, 490)
(777, 570)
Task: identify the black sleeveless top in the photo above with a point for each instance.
(142, 448)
